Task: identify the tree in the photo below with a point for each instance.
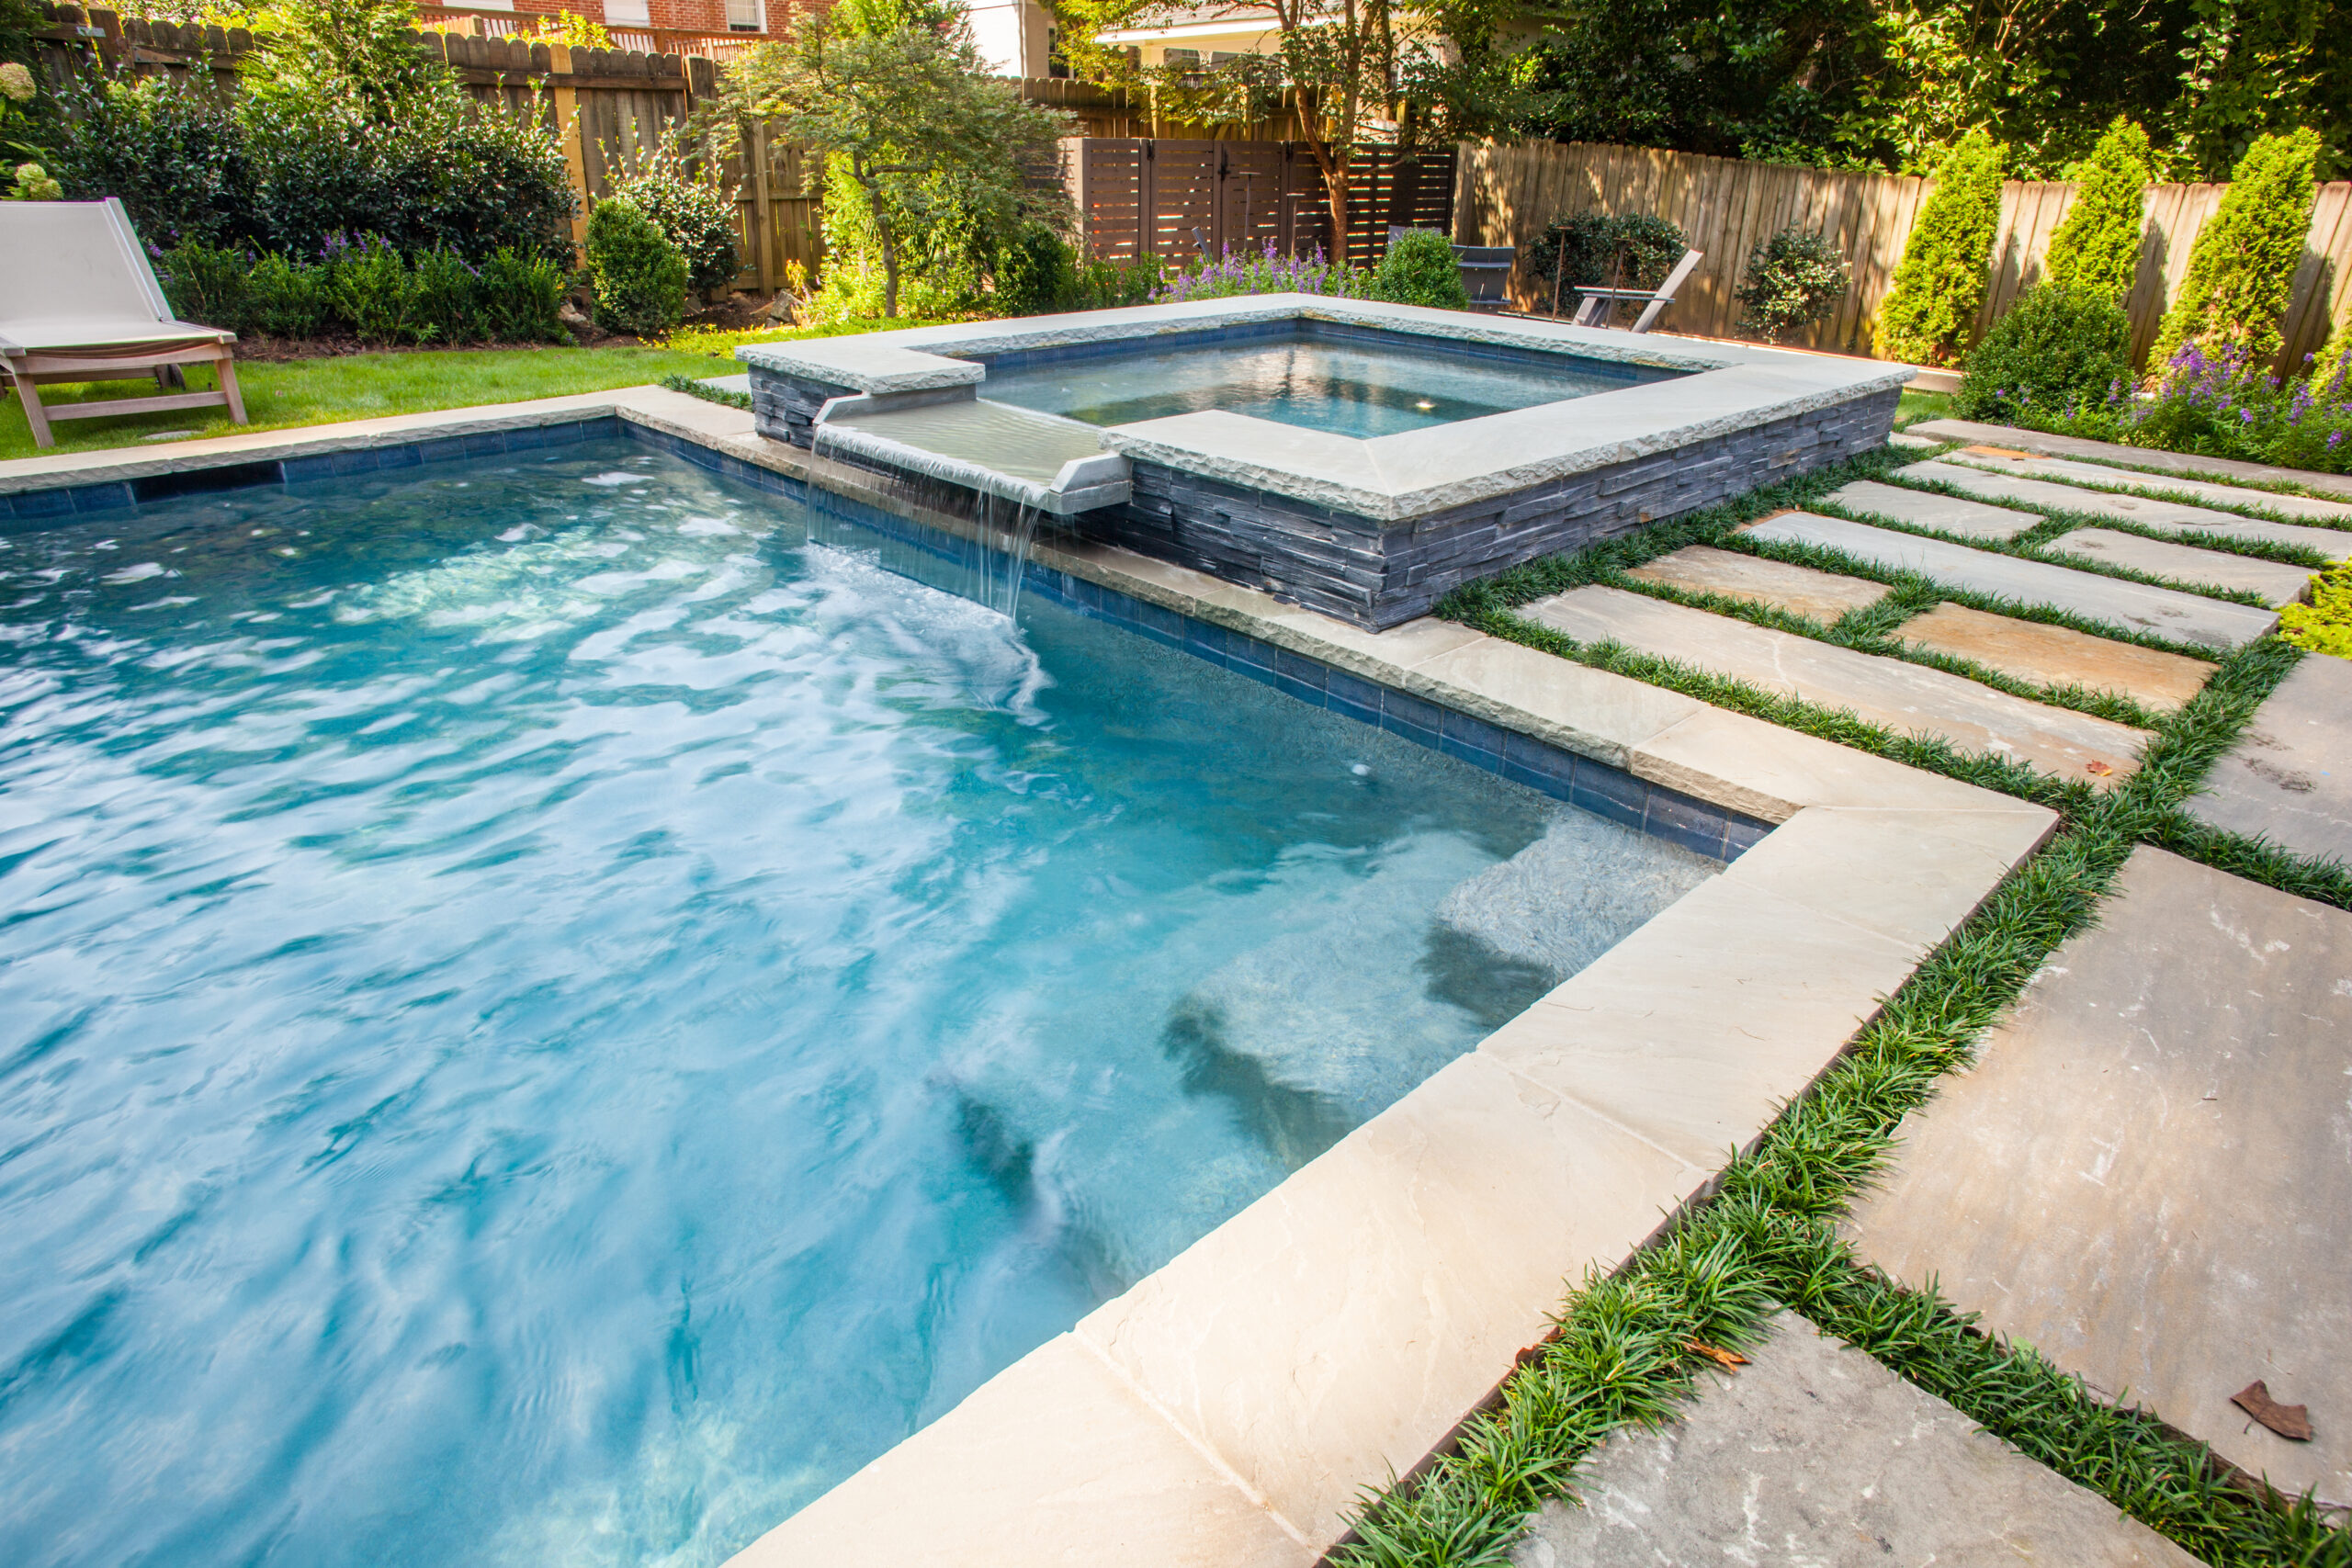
(2242, 268)
(1940, 281)
(905, 111)
(352, 57)
(2261, 67)
(2097, 246)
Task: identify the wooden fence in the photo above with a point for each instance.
(1178, 197)
(1505, 195)
(607, 107)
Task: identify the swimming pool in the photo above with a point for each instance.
(550, 1018)
(1316, 376)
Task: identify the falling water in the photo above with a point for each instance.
(985, 559)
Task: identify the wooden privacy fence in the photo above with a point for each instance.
(1177, 198)
(1505, 195)
(607, 107)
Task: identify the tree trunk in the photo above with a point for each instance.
(889, 243)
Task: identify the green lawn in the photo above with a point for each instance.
(360, 385)
(1917, 406)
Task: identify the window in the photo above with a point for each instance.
(630, 13)
(745, 16)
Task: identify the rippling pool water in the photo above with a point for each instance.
(546, 1019)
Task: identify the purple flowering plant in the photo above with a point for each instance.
(2223, 403)
(1268, 272)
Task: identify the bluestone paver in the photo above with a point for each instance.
(1905, 697)
(1701, 568)
(2288, 778)
(1816, 1456)
(2278, 584)
(2098, 475)
(2168, 612)
(2059, 656)
(1926, 509)
(2148, 457)
(2147, 1175)
(2045, 495)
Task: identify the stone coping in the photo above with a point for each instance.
(1729, 386)
(1229, 1408)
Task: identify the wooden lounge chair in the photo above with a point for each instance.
(78, 302)
(1596, 305)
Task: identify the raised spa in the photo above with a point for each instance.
(1357, 457)
(558, 1005)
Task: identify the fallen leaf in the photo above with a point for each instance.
(2102, 769)
(1995, 452)
(2293, 1422)
(1716, 1354)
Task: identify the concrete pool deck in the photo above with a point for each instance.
(1230, 1408)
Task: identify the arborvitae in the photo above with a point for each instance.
(1927, 316)
(2097, 247)
(2242, 268)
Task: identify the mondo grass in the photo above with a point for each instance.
(1626, 1348)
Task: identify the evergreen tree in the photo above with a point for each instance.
(1939, 285)
(2242, 268)
(2097, 247)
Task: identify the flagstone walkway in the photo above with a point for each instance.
(1816, 1455)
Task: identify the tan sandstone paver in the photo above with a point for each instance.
(1905, 697)
(2046, 495)
(1816, 1455)
(2288, 778)
(2165, 612)
(2278, 584)
(2147, 1175)
(1926, 509)
(2059, 656)
(1800, 590)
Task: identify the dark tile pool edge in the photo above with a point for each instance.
(1612, 793)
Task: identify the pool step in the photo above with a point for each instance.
(1926, 509)
(2068, 470)
(2165, 612)
(2278, 584)
(1799, 590)
(1905, 697)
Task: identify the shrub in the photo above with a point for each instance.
(170, 148)
(1418, 268)
(207, 285)
(518, 297)
(375, 291)
(1637, 251)
(371, 292)
(640, 279)
(698, 217)
(2242, 268)
(1037, 273)
(2097, 246)
(1940, 283)
(2324, 626)
(2059, 350)
(1792, 280)
(287, 299)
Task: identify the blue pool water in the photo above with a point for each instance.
(545, 1018)
(1355, 384)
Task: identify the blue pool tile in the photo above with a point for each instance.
(1414, 712)
(1410, 731)
(1541, 783)
(407, 457)
(1261, 674)
(301, 470)
(1291, 685)
(530, 437)
(1243, 649)
(1740, 835)
(1681, 820)
(1476, 756)
(344, 464)
(446, 449)
(99, 497)
(1305, 671)
(1352, 689)
(485, 443)
(42, 503)
(1356, 711)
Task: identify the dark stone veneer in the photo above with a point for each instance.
(1382, 574)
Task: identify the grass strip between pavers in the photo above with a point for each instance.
(1622, 1351)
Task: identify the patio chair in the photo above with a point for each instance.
(78, 302)
(1594, 306)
